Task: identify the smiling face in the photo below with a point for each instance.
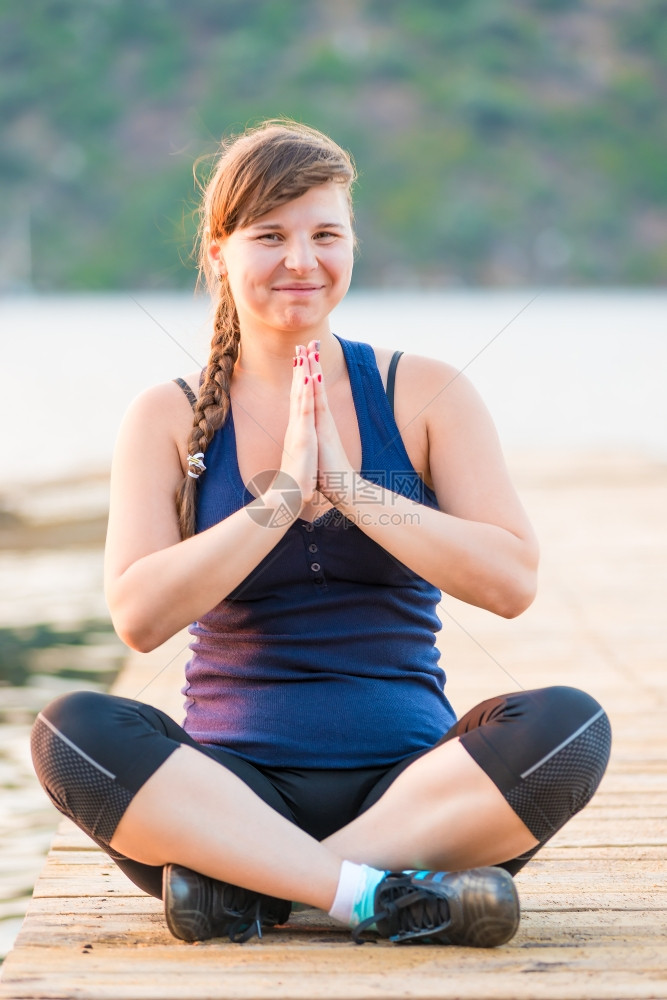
(289, 268)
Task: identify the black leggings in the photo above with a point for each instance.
(546, 750)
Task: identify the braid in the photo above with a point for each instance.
(213, 404)
(267, 166)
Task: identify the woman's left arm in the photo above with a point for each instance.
(479, 546)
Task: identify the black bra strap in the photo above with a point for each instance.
(192, 399)
(391, 377)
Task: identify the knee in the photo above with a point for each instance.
(589, 731)
(67, 712)
(575, 706)
(73, 718)
(580, 760)
(70, 751)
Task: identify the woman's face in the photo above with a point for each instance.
(289, 268)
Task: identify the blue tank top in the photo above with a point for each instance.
(325, 655)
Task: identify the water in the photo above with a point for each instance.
(27, 820)
(561, 372)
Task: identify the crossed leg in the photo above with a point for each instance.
(194, 812)
(457, 806)
(442, 813)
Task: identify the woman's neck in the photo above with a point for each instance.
(268, 359)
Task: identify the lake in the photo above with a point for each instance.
(570, 370)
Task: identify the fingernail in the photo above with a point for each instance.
(305, 381)
(317, 345)
(317, 356)
(293, 362)
(319, 378)
(300, 360)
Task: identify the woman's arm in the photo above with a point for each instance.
(155, 583)
(479, 547)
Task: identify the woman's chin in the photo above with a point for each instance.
(296, 320)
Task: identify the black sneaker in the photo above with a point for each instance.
(478, 908)
(197, 908)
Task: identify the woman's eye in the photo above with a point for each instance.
(321, 237)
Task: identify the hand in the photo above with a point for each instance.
(334, 473)
(299, 458)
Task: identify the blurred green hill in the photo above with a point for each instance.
(497, 144)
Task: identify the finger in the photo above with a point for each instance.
(301, 359)
(302, 363)
(315, 367)
(297, 381)
(319, 392)
(301, 393)
(302, 388)
(313, 352)
(307, 399)
(319, 388)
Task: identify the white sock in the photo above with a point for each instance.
(355, 895)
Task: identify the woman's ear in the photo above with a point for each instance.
(216, 258)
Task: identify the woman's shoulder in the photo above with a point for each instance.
(163, 398)
(433, 399)
(155, 430)
(161, 412)
(415, 374)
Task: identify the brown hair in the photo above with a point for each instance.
(265, 167)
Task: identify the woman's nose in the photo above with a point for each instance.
(300, 256)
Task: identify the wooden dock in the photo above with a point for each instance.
(594, 902)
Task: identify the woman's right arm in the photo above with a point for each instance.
(156, 583)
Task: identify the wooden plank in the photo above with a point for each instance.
(381, 971)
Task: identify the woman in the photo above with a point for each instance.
(320, 760)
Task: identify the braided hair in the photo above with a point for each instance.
(267, 166)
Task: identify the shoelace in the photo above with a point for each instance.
(407, 923)
(247, 925)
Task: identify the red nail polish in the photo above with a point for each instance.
(317, 357)
(293, 362)
(319, 378)
(305, 381)
(300, 360)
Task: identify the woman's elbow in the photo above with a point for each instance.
(138, 639)
(516, 603)
(133, 629)
(140, 643)
(517, 595)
